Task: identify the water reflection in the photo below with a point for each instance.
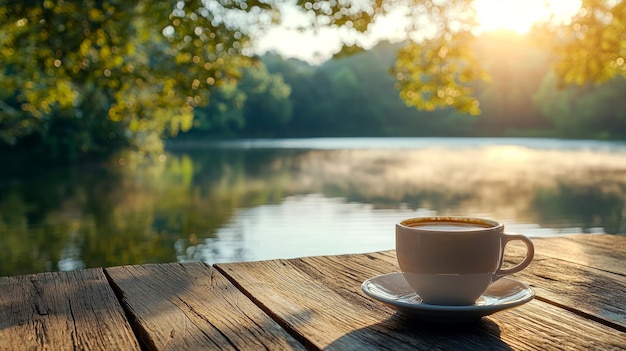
(267, 199)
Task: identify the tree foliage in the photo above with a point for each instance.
(257, 105)
(118, 70)
(437, 67)
(355, 96)
(586, 111)
(592, 48)
(91, 78)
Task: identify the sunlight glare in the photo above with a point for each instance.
(520, 15)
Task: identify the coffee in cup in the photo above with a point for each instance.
(453, 260)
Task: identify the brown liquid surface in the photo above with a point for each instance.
(449, 226)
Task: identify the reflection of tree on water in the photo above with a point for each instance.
(71, 255)
(212, 249)
(583, 206)
(505, 182)
(198, 204)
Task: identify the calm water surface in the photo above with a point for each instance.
(264, 199)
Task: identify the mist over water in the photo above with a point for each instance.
(348, 199)
(265, 199)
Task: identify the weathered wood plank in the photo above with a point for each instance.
(193, 307)
(599, 251)
(320, 299)
(580, 279)
(593, 292)
(589, 292)
(608, 241)
(62, 311)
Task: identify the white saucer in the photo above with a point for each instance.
(392, 289)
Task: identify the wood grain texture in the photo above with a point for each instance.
(319, 299)
(578, 277)
(607, 241)
(62, 311)
(605, 252)
(193, 307)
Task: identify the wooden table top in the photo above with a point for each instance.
(311, 303)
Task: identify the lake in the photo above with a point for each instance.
(263, 199)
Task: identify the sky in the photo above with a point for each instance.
(315, 48)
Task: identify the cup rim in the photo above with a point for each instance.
(492, 224)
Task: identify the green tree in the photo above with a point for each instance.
(267, 109)
(516, 67)
(307, 96)
(85, 78)
(587, 111)
(224, 115)
(92, 77)
(256, 105)
(592, 48)
(437, 69)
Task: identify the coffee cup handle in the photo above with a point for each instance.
(530, 253)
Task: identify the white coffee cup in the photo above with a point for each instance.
(453, 260)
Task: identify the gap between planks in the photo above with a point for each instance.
(280, 321)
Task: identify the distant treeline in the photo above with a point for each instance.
(356, 96)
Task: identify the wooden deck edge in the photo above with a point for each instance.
(598, 319)
(132, 321)
(64, 310)
(290, 330)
